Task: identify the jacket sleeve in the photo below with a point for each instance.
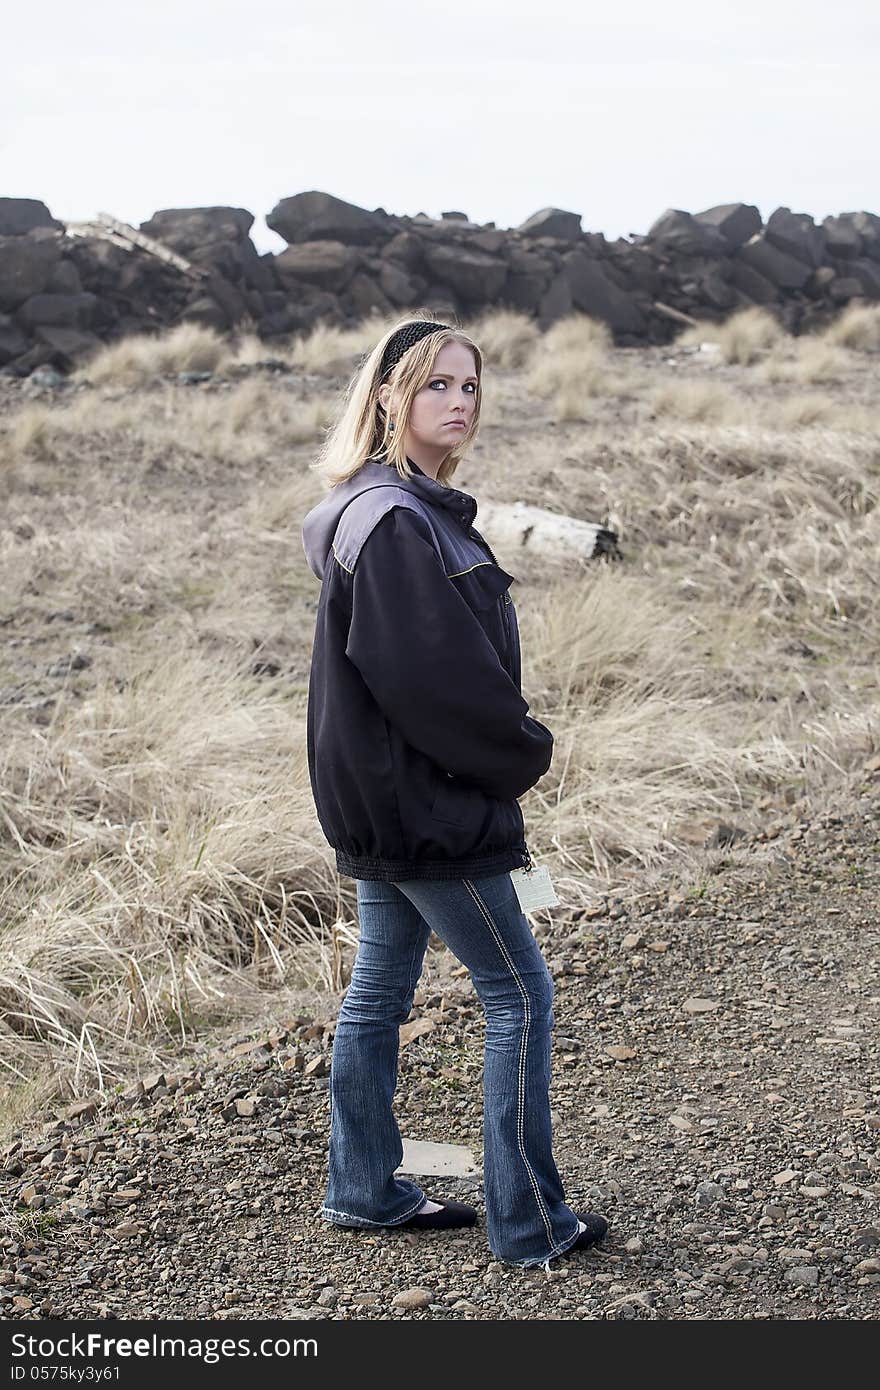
(431, 668)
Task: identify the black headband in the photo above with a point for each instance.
(405, 338)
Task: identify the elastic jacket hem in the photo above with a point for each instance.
(401, 870)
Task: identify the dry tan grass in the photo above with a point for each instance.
(507, 338)
(743, 338)
(238, 423)
(572, 365)
(856, 328)
(807, 361)
(325, 350)
(798, 412)
(138, 359)
(162, 871)
(695, 400)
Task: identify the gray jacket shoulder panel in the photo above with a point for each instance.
(363, 514)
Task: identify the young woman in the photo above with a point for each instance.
(419, 746)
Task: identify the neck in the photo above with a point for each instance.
(429, 460)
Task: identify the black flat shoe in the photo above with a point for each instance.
(596, 1228)
(450, 1215)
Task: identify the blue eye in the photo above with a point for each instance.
(472, 384)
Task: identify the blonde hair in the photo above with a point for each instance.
(360, 430)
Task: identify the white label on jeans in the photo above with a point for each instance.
(533, 888)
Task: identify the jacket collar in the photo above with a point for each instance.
(462, 504)
(320, 523)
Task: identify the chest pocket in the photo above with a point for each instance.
(484, 585)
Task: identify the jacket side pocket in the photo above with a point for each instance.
(450, 803)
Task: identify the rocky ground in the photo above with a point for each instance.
(716, 1095)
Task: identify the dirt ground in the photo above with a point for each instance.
(715, 1094)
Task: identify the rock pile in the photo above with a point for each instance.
(63, 293)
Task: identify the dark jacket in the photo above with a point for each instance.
(419, 740)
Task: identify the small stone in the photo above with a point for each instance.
(697, 1005)
(871, 1266)
(635, 1246)
(245, 1108)
(806, 1276)
(125, 1230)
(708, 1193)
(787, 1175)
(412, 1298)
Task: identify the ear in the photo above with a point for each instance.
(383, 394)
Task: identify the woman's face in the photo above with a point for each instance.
(443, 409)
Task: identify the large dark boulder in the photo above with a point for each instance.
(12, 341)
(735, 221)
(26, 262)
(528, 276)
(362, 296)
(18, 216)
(636, 268)
(595, 294)
(185, 229)
(867, 224)
(706, 281)
(406, 249)
(796, 234)
(553, 222)
(217, 257)
(65, 310)
(315, 216)
(474, 276)
(67, 346)
(524, 291)
(843, 288)
(680, 233)
(327, 264)
(65, 279)
(754, 286)
(841, 238)
(304, 306)
(556, 301)
(256, 271)
(867, 273)
(782, 270)
(398, 285)
(228, 296)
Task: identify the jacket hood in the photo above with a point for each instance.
(319, 525)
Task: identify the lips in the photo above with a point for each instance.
(460, 424)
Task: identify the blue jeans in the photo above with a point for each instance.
(480, 920)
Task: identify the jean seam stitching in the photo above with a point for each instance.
(351, 1216)
(520, 1099)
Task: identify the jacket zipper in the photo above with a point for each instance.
(526, 857)
(507, 599)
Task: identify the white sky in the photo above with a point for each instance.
(495, 108)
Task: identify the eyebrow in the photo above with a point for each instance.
(446, 377)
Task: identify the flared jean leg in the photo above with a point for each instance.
(365, 1141)
(527, 1219)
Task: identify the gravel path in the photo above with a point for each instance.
(716, 1095)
